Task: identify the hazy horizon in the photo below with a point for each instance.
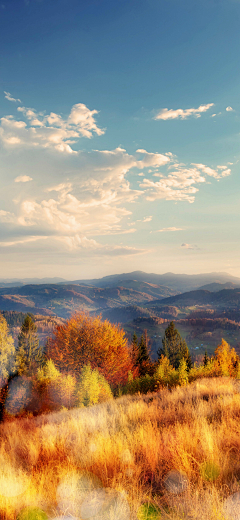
(11, 280)
(119, 137)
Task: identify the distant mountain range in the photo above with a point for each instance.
(16, 282)
(132, 292)
(176, 282)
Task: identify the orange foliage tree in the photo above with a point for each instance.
(84, 339)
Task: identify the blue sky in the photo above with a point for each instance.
(119, 137)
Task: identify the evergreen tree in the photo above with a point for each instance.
(29, 354)
(143, 361)
(143, 354)
(174, 347)
(205, 359)
(134, 351)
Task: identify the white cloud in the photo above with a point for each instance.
(10, 98)
(213, 173)
(23, 178)
(163, 230)
(6, 216)
(49, 131)
(152, 159)
(177, 185)
(78, 196)
(72, 244)
(180, 183)
(182, 114)
(230, 109)
(25, 240)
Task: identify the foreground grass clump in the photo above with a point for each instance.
(170, 455)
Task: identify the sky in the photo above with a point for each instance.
(119, 137)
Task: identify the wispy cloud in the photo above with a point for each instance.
(190, 246)
(180, 113)
(146, 219)
(164, 230)
(6, 216)
(9, 97)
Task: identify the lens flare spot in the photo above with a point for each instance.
(115, 507)
(176, 482)
(19, 395)
(93, 504)
(126, 457)
(73, 490)
(13, 482)
(231, 507)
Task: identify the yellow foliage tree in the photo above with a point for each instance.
(165, 373)
(226, 359)
(7, 352)
(93, 387)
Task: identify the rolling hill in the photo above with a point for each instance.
(63, 300)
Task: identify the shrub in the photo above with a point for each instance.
(55, 390)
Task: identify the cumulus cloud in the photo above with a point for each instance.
(23, 178)
(177, 185)
(230, 109)
(163, 230)
(75, 197)
(180, 113)
(9, 97)
(49, 131)
(180, 183)
(152, 159)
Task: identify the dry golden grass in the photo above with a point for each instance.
(133, 445)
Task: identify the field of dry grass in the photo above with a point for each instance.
(179, 451)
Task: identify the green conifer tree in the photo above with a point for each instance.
(205, 359)
(174, 347)
(143, 360)
(29, 354)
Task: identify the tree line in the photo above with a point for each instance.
(88, 360)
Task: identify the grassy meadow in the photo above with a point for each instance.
(171, 455)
